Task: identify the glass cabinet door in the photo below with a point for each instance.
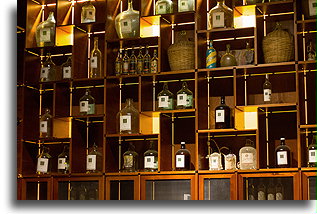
(122, 188)
(309, 186)
(36, 189)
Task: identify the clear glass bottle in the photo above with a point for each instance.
(63, 161)
(271, 190)
(186, 5)
(88, 12)
(46, 124)
(146, 61)
(48, 70)
(252, 192)
(283, 155)
(67, 68)
(132, 63)
(220, 16)
(311, 153)
(249, 54)
(230, 161)
(311, 54)
(154, 63)
(92, 191)
(151, 159)
(182, 158)
(128, 119)
(96, 69)
(215, 161)
(127, 23)
(228, 59)
(45, 32)
(140, 62)
(184, 98)
(165, 99)
(163, 7)
(118, 64)
(279, 190)
(87, 104)
(267, 89)
(82, 192)
(211, 56)
(44, 163)
(130, 160)
(94, 160)
(261, 190)
(125, 63)
(247, 156)
(222, 115)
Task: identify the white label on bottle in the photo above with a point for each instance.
(312, 7)
(184, 6)
(161, 8)
(42, 165)
(163, 101)
(125, 123)
(91, 162)
(282, 158)
(220, 116)
(247, 157)
(45, 35)
(44, 72)
(180, 161)
(94, 62)
(218, 19)
(126, 26)
(261, 195)
(312, 156)
(267, 95)
(181, 99)
(61, 163)
(83, 106)
(90, 15)
(43, 126)
(128, 161)
(67, 72)
(125, 67)
(186, 196)
(149, 162)
(279, 196)
(213, 162)
(270, 196)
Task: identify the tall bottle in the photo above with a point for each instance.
(249, 54)
(247, 156)
(228, 59)
(165, 99)
(312, 151)
(154, 63)
(151, 159)
(127, 23)
(186, 5)
(211, 56)
(94, 160)
(46, 124)
(163, 7)
(182, 158)
(125, 63)
(128, 119)
(44, 163)
(118, 64)
(279, 190)
(146, 61)
(267, 89)
(63, 161)
(140, 62)
(87, 104)
(222, 115)
(220, 16)
(271, 190)
(48, 70)
(88, 12)
(252, 191)
(184, 98)
(283, 155)
(67, 68)
(132, 63)
(95, 61)
(261, 190)
(45, 32)
(130, 160)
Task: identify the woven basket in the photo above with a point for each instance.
(278, 46)
(181, 55)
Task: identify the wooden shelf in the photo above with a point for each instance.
(226, 130)
(223, 30)
(273, 105)
(176, 111)
(308, 126)
(130, 135)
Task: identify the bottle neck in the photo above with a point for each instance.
(51, 17)
(96, 44)
(182, 146)
(220, 2)
(266, 76)
(129, 102)
(282, 142)
(223, 100)
(184, 86)
(130, 5)
(165, 87)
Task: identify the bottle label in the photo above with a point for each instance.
(312, 156)
(247, 158)
(184, 6)
(42, 165)
(186, 196)
(185, 100)
(91, 109)
(43, 126)
(128, 161)
(282, 158)
(180, 161)
(125, 68)
(261, 195)
(312, 7)
(91, 162)
(83, 106)
(44, 73)
(163, 101)
(45, 35)
(154, 66)
(67, 72)
(214, 163)
(139, 67)
(218, 19)
(125, 123)
(279, 196)
(270, 196)
(230, 163)
(90, 16)
(161, 8)
(149, 162)
(94, 62)
(220, 116)
(267, 95)
(62, 163)
(126, 26)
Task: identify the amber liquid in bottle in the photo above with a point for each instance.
(182, 158)
(283, 155)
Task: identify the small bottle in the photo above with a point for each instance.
(118, 64)
(228, 59)
(182, 158)
(222, 115)
(211, 56)
(128, 119)
(95, 61)
(154, 63)
(271, 190)
(163, 7)
(247, 156)
(311, 54)
(165, 99)
(94, 160)
(252, 192)
(125, 63)
(282, 155)
(215, 161)
(146, 61)
(151, 159)
(88, 12)
(132, 63)
(186, 5)
(261, 190)
(63, 161)
(230, 161)
(67, 68)
(46, 124)
(267, 89)
(279, 190)
(44, 164)
(312, 151)
(184, 97)
(249, 54)
(45, 32)
(48, 70)
(130, 160)
(139, 67)
(87, 104)
(220, 16)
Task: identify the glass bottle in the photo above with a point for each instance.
(127, 23)
(95, 61)
(46, 124)
(125, 63)
(118, 64)
(128, 119)
(94, 160)
(220, 16)
(211, 56)
(311, 54)
(252, 192)
(228, 59)
(182, 158)
(261, 190)
(132, 63)
(151, 159)
(73, 192)
(130, 160)
(249, 54)
(215, 161)
(247, 156)
(92, 191)
(82, 192)
(267, 89)
(146, 61)
(67, 68)
(271, 190)
(45, 32)
(87, 104)
(63, 161)
(222, 115)
(184, 98)
(163, 7)
(88, 12)
(44, 163)
(230, 161)
(312, 151)
(48, 70)
(279, 190)
(139, 67)
(154, 63)
(165, 99)
(283, 155)
(186, 5)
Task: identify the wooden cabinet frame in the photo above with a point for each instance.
(305, 184)
(135, 179)
(49, 182)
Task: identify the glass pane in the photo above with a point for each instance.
(84, 190)
(217, 189)
(312, 188)
(126, 189)
(168, 190)
(63, 190)
(35, 188)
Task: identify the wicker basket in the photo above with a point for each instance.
(181, 55)
(278, 46)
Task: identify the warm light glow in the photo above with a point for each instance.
(244, 16)
(64, 35)
(150, 26)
